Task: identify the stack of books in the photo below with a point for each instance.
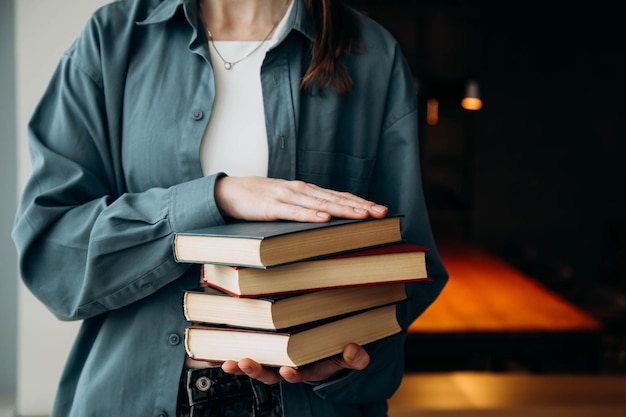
(288, 293)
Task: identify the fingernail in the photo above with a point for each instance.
(378, 208)
(323, 215)
(289, 373)
(351, 354)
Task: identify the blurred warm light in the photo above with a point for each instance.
(487, 295)
(470, 103)
(432, 111)
(472, 100)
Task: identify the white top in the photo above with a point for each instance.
(235, 141)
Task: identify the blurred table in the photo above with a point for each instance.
(491, 311)
(474, 394)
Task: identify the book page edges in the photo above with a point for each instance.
(317, 241)
(279, 293)
(311, 355)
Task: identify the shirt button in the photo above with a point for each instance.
(174, 339)
(197, 114)
(162, 414)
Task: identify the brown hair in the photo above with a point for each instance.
(335, 33)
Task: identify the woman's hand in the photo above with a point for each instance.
(267, 199)
(353, 357)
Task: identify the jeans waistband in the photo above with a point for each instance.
(212, 385)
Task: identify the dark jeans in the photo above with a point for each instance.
(211, 392)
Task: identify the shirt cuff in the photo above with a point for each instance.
(192, 204)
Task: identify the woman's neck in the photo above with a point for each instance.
(242, 20)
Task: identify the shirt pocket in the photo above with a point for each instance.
(337, 171)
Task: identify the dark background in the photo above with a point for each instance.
(537, 176)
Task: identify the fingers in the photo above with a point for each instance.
(353, 357)
(332, 203)
(232, 367)
(259, 198)
(253, 369)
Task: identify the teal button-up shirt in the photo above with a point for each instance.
(116, 172)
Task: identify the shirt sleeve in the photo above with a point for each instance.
(86, 245)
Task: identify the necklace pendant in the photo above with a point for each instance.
(228, 65)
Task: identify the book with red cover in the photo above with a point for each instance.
(396, 263)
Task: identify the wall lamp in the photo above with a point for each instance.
(472, 100)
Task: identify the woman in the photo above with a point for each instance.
(157, 121)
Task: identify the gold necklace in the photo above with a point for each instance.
(229, 64)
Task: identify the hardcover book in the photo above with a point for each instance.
(396, 263)
(294, 348)
(208, 305)
(266, 244)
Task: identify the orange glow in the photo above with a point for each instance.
(472, 100)
(472, 103)
(485, 294)
(432, 111)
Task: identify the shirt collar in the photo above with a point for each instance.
(299, 19)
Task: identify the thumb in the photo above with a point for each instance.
(355, 357)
